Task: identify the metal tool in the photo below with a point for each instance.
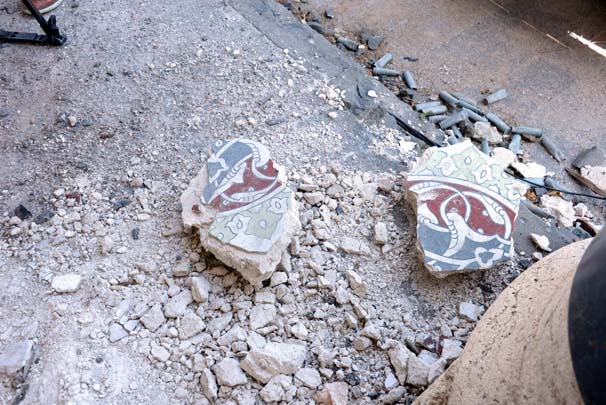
(52, 34)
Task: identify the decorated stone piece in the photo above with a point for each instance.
(466, 207)
(244, 187)
(245, 213)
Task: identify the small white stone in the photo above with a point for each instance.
(191, 325)
(541, 241)
(372, 94)
(154, 318)
(209, 384)
(67, 283)
(200, 288)
(229, 373)
(381, 236)
(299, 331)
(309, 377)
(261, 315)
(451, 349)
(333, 115)
(159, 352)
(279, 277)
(470, 311)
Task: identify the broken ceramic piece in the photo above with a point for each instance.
(245, 214)
(466, 208)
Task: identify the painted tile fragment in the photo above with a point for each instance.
(466, 208)
(245, 188)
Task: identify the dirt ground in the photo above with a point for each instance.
(99, 138)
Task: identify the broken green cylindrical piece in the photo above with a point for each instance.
(435, 110)
(533, 134)
(496, 96)
(448, 98)
(552, 148)
(515, 144)
(383, 60)
(475, 117)
(409, 80)
(378, 71)
(452, 120)
(498, 122)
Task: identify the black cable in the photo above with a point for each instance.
(553, 188)
(419, 135)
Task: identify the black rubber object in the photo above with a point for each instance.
(587, 322)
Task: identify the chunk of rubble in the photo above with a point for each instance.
(541, 241)
(504, 155)
(466, 207)
(273, 359)
(589, 168)
(244, 213)
(560, 208)
(335, 393)
(16, 358)
(530, 170)
(483, 130)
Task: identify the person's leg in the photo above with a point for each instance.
(44, 6)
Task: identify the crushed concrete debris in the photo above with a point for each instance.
(562, 209)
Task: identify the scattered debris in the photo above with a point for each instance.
(560, 208)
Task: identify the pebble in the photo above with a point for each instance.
(399, 356)
(381, 235)
(68, 283)
(191, 325)
(390, 381)
(309, 377)
(277, 389)
(469, 311)
(361, 343)
(159, 353)
(154, 318)
(335, 393)
(261, 315)
(209, 384)
(200, 288)
(229, 373)
(16, 358)
(176, 305)
(541, 241)
(273, 359)
(451, 349)
(116, 333)
(279, 277)
(354, 246)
